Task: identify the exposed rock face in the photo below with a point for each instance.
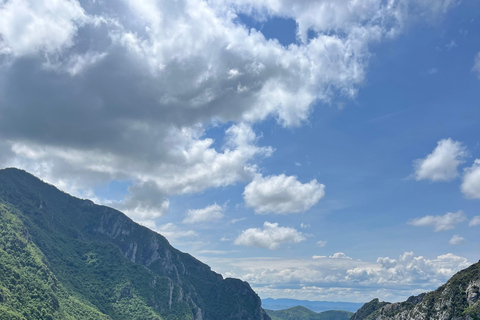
(367, 309)
(178, 281)
(458, 299)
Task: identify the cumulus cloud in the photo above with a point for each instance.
(270, 237)
(282, 194)
(471, 181)
(210, 213)
(456, 240)
(440, 223)
(27, 27)
(442, 163)
(474, 222)
(99, 90)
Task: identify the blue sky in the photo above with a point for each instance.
(321, 151)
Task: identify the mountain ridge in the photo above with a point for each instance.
(317, 306)
(303, 313)
(94, 251)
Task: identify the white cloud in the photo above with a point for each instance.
(271, 237)
(210, 213)
(340, 255)
(322, 277)
(321, 243)
(456, 240)
(440, 223)
(172, 231)
(474, 222)
(28, 27)
(323, 16)
(142, 211)
(442, 163)
(471, 181)
(476, 65)
(282, 194)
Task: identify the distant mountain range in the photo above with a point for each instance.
(66, 258)
(302, 313)
(458, 299)
(317, 306)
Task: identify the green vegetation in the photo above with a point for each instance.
(302, 313)
(66, 258)
(28, 288)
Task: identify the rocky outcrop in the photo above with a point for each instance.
(367, 309)
(458, 299)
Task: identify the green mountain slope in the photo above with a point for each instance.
(28, 288)
(302, 313)
(63, 257)
(457, 299)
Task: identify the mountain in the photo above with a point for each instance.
(458, 299)
(317, 306)
(66, 258)
(302, 313)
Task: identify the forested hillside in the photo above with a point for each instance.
(67, 258)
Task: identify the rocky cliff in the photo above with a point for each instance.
(110, 265)
(458, 299)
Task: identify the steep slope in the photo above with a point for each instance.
(457, 299)
(108, 263)
(302, 313)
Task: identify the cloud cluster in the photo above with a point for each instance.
(442, 163)
(282, 194)
(440, 223)
(270, 237)
(410, 270)
(336, 276)
(96, 90)
(188, 164)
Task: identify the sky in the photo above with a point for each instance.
(320, 150)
